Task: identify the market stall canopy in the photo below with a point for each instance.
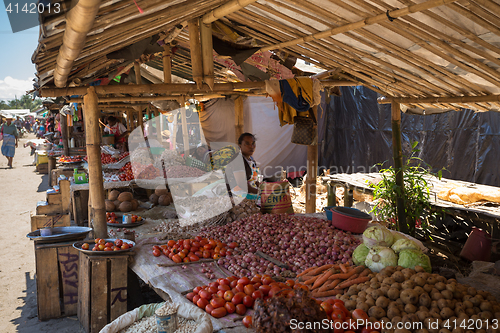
(435, 50)
(15, 112)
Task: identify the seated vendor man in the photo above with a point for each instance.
(120, 132)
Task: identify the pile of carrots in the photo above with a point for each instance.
(330, 280)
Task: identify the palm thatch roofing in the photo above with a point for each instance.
(423, 53)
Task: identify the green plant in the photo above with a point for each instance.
(416, 193)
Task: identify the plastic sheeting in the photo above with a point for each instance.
(274, 148)
(358, 135)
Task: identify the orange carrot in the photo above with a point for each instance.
(320, 281)
(320, 269)
(332, 292)
(306, 271)
(349, 283)
(330, 285)
(343, 276)
(352, 277)
(343, 268)
(365, 272)
(311, 280)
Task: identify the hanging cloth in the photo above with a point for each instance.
(297, 97)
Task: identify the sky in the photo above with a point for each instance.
(16, 70)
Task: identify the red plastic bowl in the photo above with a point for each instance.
(350, 219)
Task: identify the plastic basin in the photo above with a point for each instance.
(349, 219)
(328, 212)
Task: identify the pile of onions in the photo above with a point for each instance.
(299, 241)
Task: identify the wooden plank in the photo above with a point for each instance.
(47, 284)
(84, 285)
(98, 294)
(54, 198)
(118, 287)
(68, 266)
(64, 189)
(48, 210)
(42, 221)
(80, 206)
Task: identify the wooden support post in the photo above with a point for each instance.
(129, 120)
(158, 125)
(167, 64)
(93, 139)
(207, 54)
(194, 43)
(64, 134)
(312, 172)
(397, 153)
(238, 117)
(173, 136)
(137, 70)
(51, 166)
(185, 134)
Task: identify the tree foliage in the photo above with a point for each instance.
(24, 102)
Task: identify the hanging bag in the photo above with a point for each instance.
(304, 130)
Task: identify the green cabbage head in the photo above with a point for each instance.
(404, 244)
(359, 254)
(380, 257)
(412, 258)
(377, 236)
(397, 236)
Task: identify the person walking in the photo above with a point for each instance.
(10, 137)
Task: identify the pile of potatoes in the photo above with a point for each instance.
(161, 196)
(398, 294)
(122, 201)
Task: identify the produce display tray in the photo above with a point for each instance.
(60, 234)
(126, 225)
(91, 242)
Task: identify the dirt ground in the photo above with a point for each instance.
(21, 188)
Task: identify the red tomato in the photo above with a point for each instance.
(205, 294)
(190, 296)
(290, 283)
(219, 312)
(176, 258)
(212, 290)
(224, 287)
(125, 246)
(101, 241)
(85, 246)
(338, 314)
(327, 307)
(209, 308)
(249, 289)
(244, 281)
(197, 290)
(216, 256)
(231, 278)
(193, 257)
(233, 284)
(230, 307)
(274, 291)
(156, 252)
(237, 298)
(196, 298)
(241, 309)
(247, 321)
(265, 289)
(337, 326)
(220, 293)
(217, 302)
(206, 254)
(343, 309)
(267, 280)
(248, 301)
(359, 314)
(108, 249)
(338, 301)
(240, 287)
(214, 284)
(223, 281)
(170, 243)
(202, 303)
(256, 279)
(257, 285)
(257, 294)
(228, 295)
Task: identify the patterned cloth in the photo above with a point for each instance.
(9, 145)
(252, 181)
(222, 157)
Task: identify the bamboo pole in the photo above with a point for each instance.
(196, 61)
(185, 134)
(167, 64)
(64, 134)
(397, 153)
(458, 99)
(173, 136)
(360, 24)
(227, 8)
(207, 54)
(96, 187)
(165, 88)
(312, 171)
(137, 70)
(238, 117)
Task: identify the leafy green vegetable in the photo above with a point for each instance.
(377, 236)
(380, 257)
(359, 254)
(412, 258)
(404, 244)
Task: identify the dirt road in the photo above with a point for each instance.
(21, 188)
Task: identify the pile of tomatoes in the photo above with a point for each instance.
(106, 245)
(187, 250)
(111, 218)
(126, 172)
(70, 159)
(233, 294)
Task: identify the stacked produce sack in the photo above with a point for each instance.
(382, 248)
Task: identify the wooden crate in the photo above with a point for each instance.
(45, 209)
(80, 205)
(42, 168)
(56, 280)
(102, 293)
(42, 221)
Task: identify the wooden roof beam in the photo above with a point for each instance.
(360, 24)
(228, 8)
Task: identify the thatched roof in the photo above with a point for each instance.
(404, 49)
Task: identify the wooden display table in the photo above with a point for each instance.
(102, 292)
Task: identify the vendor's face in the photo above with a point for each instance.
(248, 146)
(8, 121)
(111, 122)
